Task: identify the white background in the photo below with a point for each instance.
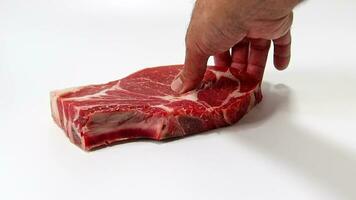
(300, 143)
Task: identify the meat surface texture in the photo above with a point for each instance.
(142, 105)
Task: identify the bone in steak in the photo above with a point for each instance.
(143, 105)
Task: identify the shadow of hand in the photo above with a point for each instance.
(303, 151)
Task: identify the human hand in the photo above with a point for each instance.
(244, 26)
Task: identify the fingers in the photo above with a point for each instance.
(282, 51)
(223, 59)
(192, 73)
(240, 55)
(258, 57)
(207, 34)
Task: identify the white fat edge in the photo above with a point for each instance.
(69, 130)
(98, 94)
(82, 98)
(163, 107)
(224, 111)
(226, 74)
(76, 117)
(252, 101)
(251, 104)
(167, 97)
(253, 97)
(66, 90)
(70, 126)
(64, 116)
(54, 95)
(76, 127)
(235, 94)
(54, 108)
(89, 96)
(190, 96)
(54, 105)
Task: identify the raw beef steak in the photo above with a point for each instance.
(143, 105)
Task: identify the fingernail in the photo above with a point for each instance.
(177, 84)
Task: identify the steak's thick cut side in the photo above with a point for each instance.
(143, 105)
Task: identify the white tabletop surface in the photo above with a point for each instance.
(299, 143)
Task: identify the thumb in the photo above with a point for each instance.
(193, 71)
